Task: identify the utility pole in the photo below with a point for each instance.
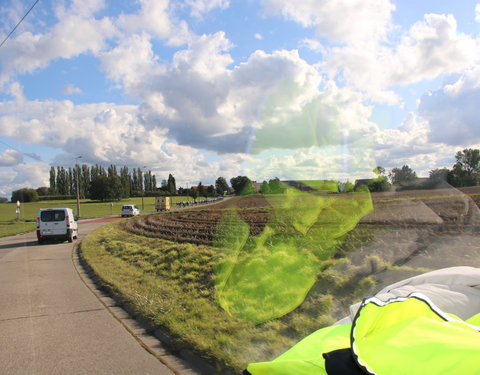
(78, 192)
(143, 186)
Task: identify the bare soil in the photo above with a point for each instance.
(408, 232)
(198, 225)
(445, 210)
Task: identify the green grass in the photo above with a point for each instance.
(11, 224)
(177, 286)
(14, 227)
(173, 286)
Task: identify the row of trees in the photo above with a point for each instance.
(96, 182)
(465, 172)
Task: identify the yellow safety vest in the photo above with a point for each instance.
(407, 335)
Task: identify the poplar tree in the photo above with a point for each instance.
(171, 186)
(53, 185)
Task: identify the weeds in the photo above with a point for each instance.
(172, 284)
(175, 285)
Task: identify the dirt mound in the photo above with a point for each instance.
(443, 210)
(198, 226)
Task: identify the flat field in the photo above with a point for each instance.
(10, 225)
(245, 279)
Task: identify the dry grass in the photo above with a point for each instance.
(174, 284)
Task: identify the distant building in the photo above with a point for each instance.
(205, 186)
(256, 186)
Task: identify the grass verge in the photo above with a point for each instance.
(172, 286)
(11, 224)
(13, 227)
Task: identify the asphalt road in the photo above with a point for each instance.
(52, 323)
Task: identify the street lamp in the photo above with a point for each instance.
(78, 192)
(143, 186)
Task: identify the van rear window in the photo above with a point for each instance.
(53, 215)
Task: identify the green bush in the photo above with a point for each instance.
(25, 195)
(379, 184)
(56, 197)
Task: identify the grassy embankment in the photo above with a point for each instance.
(173, 286)
(10, 225)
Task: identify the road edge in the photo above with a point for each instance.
(155, 341)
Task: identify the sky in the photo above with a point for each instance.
(314, 89)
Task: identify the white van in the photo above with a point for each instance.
(56, 223)
(130, 210)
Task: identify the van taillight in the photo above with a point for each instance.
(38, 223)
(68, 222)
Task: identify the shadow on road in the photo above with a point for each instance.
(16, 244)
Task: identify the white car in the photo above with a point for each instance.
(130, 210)
(56, 223)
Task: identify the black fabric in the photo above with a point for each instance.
(245, 372)
(341, 362)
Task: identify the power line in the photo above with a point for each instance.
(30, 155)
(19, 22)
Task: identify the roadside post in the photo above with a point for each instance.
(18, 210)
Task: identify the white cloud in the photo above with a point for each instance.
(131, 62)
(327, 136)
(452, 112)
(204, 104)
(431, 48)
(25, 175)
(83, 8)
(30, 51)
(11, 14)
(331, 117)
(313, 163)
(206, 56)
(70, 89)
(409, 144)
(366, 59)
(200, 7)
(409, 138)
(258, 36)
(10, 158)
(102, 133)
(202, 110)
(155, 17)
(477, 12)
(339, 21)
(314, 45)
(201, 102)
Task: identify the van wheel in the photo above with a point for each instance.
(70, 236)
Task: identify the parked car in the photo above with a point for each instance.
(56, 223)
(130, 210)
